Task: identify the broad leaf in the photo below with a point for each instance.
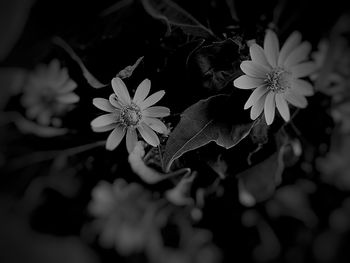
(175, 16)
(86, 73)
(208, 120)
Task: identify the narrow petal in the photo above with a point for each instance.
(156, 125)
(282, 107)
(303, 69)
(247, 82)
(291, 43)
(115, 138)
(142, 91)
(148, 135)
(156, 111)
(269, 108)
(69, 86)
(151, 100)
(68, 98)
(298, 55)
(257, 54)
(121, 91)
(104, 120)
(257, 108)
(302, 87)
(53, 67)
(104, 128)
(253, 69)
(131, 139)
(295, 99)
(113, 99)
(255, 96)
(271, 47)
(103, 104)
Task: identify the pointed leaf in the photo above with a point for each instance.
(204, 122)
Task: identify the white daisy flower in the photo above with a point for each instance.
(275, 75)
(126, 115)
(48, 93)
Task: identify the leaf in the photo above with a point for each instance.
(127, 71)
(88, 76)
(27, 126)
(173, 15)
(204, 122)
(259, 181)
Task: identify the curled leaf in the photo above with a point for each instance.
(127, 71)
(147, 174)
(179, 195)
(86, 73)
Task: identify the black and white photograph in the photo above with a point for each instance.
(174, 131)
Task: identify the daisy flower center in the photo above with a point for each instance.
(278, 80)
(130, 115)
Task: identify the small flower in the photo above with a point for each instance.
(126, 115)
(124, 216)
(48, 93)
(276, 76)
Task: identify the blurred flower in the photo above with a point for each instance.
(276, 76)
(127, 116)
(124, 215)
(48, 93)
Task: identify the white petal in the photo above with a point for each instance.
(302, 87)
(257, 108)
(103, 104)
(68, 98)
(156, 125)
(253, 69)
(148, 134)
(131, 139)
(115, 138)
(282, 107)
(156, 111)
(271, 47)
(291, 43)
(255, 96)
(113, 99)
(247, 82)
(298, 55)
(53, 67)
(151, 100)
(104, 128)
(295, 99)
(269, 108)
(303, 69)
(104, 120)
(44, 117)
(257, 54)
(69, 86)
(142, 91)
(121, 91)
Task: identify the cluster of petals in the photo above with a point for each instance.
(276, 76)
(126, 115)
(48, 93)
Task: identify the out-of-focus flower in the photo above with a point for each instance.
(275, 75)
(124, 215)
(48, 93)
(126, 115)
